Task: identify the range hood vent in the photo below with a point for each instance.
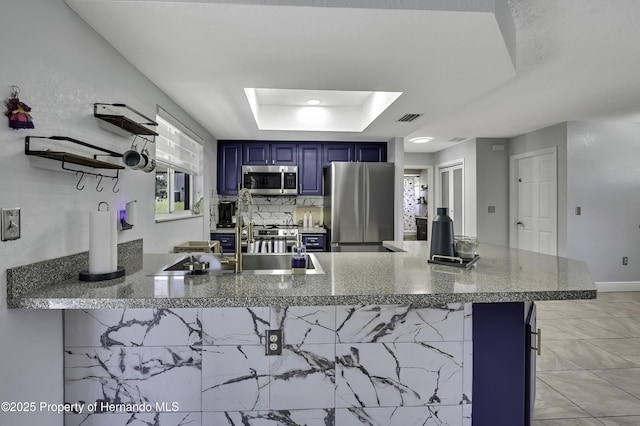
(407, 118)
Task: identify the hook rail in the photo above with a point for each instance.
(68, 160)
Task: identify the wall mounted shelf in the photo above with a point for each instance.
(125, 117)
(67, 158)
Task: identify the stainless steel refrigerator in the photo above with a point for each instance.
(358, 205)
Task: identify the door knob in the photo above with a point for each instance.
(520, 223)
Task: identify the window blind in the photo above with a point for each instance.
(176, 149)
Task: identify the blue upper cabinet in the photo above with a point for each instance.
(310, 157)
(372, 152)
(284, 154)
(337, 152)
(229, 166)
(264, 153)
(309, 169)
(256, 153)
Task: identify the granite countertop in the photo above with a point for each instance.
(223, 231)
(313, 230)
(500, 275)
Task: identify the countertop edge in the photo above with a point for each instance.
(418, 300)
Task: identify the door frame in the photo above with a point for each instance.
(438, 189)
(513, 191)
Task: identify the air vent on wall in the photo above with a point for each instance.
(409, 117)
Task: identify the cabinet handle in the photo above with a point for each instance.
(538, 347)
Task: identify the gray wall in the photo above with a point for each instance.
(545, 138)
(416, 160)
(62, 68)
(492, 186)
(604, 180)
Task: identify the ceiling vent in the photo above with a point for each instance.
(407, 118)
(457, 139)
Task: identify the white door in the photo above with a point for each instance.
(536, 202)
(452, 194)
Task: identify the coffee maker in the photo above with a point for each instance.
(226, 210)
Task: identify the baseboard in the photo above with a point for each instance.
(618, 286)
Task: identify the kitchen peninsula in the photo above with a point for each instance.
(379, 339)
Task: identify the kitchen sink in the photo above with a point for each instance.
(252, 264)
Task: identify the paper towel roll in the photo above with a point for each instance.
(103, 247)
(131, 212)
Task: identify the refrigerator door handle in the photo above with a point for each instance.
(356, 200)
(367, 200)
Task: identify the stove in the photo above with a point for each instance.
(288, 232)
(273, 238)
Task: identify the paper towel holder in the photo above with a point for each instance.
(87, 276)
(126, 221)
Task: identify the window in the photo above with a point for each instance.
(179, 159)
(173, 190)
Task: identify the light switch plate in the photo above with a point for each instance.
(10, 224)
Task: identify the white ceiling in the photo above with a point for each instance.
(575, 60)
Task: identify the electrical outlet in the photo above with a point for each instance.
(492, 209)
(10, 224)
(625, 261)
(273, 343)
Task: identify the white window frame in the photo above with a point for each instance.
(193, 174)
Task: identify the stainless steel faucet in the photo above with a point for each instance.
(244, 199)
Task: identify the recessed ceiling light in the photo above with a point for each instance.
(313, 102)
(422, 139)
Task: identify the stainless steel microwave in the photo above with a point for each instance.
(270, 180)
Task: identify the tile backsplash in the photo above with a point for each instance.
(271, 210)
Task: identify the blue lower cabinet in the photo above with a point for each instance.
(314, 242)
(503, 363)
(227, 241)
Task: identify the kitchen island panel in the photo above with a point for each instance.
(400, 323)
(399, 374)
(136, 419)
(270, 418)
(235, 326)
(235, 378)
(225, 370)
(132, 327)
(403, 416)
(131, 375)
(303, 377)
(305, 324)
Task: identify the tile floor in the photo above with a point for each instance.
(589, 371)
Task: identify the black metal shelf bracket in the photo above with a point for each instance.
(109, 113)
(66, 159)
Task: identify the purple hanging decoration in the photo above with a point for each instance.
(17, 111)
